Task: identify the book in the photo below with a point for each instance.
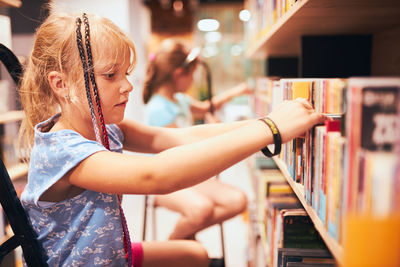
(371, 125)
(273, 221)
(309, 264)
(262, 162)
(299, 231)
(286, 255)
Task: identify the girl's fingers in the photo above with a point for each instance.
(305, 102)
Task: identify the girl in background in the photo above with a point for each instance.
(169, 77)
(74, 93)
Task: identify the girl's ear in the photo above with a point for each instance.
(57, 84)
(177, 73)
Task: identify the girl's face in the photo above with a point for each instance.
(114, 88)
(183, 81)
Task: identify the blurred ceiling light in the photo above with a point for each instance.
(212, 37)
(178, 7)
(210, 51)
(208, 25)
(244, 15)
(236, 50)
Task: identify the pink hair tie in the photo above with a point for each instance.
(152, 57)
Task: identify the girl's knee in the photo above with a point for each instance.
(241, 201)
(201, 212)
(237, 201)
(197, 253)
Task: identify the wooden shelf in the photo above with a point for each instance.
(10, 116)
(327, 17)
(17, 171)
(10, 3)
(334, 247)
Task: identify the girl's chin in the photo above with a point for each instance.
(115, 118)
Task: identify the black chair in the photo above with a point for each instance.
(11, 63)
(24, 234)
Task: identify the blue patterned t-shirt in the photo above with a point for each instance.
(84, 230)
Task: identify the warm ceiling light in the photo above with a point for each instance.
(244, 15)
(213, 37)
(236, 50)
(208, 25)
(178, 6)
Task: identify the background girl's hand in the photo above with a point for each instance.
(242, 89)
(210, 118)
(293, 118)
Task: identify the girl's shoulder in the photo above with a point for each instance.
(66, 138)
(158, 100)
(56, 153)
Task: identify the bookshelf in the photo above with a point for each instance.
(311, 17)
(339, 169)
(279, 31)
(334, 247)
(282, 37)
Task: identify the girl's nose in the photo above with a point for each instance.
(126, 88)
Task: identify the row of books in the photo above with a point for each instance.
(348, 165)
(290, 235)
(266, 13)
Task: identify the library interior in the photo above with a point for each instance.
(277, 120)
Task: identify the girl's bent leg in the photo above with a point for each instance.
(195, 208)
(228, 204)
(174, 253)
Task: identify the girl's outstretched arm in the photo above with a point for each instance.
(183, 166)
(151, 139)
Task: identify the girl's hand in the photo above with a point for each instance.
(293, 118)
(210, 118)
(242, 89)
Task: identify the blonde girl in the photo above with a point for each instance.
(74, 92)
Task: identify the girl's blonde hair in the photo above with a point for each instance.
(55, 49)
(170, 56)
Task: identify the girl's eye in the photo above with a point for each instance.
(109, 75)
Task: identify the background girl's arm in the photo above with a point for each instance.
(199, 108)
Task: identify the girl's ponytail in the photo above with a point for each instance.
(149, 85)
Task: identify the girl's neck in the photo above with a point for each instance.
(78, 125)
(167, 91)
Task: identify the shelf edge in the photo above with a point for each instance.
(335, 248)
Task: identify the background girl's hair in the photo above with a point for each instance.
(171, 54)
(55, 49)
